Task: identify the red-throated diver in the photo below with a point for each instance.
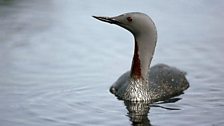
(160, 82)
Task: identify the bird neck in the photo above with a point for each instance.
(143, 54)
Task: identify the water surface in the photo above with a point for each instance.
(57, 62)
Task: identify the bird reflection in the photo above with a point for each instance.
(138, 111)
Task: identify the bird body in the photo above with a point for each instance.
(141, 83)
(163, 82)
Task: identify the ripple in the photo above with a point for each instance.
(62, 105)
(57, 63)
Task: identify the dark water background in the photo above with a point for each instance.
(57, 62)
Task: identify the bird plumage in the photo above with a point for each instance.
(141, 83)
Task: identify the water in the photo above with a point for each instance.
(57, 62)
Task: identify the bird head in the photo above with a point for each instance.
(135, 22)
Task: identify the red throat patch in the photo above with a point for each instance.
(136, 64)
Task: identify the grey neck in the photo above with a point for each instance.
(144, 49)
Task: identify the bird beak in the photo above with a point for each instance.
(107, 19)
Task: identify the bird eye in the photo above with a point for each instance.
(129, 19)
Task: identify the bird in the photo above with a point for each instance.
(142, 83)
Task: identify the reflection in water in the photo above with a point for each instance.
(138, 111)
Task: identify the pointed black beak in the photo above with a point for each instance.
(107, 19)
